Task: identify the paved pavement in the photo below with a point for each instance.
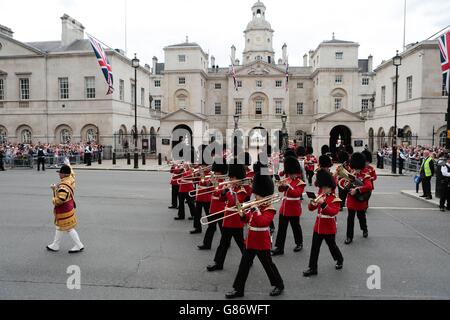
(135, 250)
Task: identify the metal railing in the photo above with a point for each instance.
(51, 161)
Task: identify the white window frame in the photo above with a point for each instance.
(63, 88)
(278, 84)
(24, 86)
(2, 89)
(217, 108)
(157, 83)
(239, 83)
(259, 83)
(238, 107)
(300, 109)
(337, 103)
(89, 85)
(181, 80)
(383, 96)
(279, 107)
(258, 107)
(142, 96)
(365, 81)
(133, 93)
(300, 85)
(121, 90)
(339, 55)
(409, 87)
(217, 86)
(364, 105)
(181, 58)
(158, 104)
(339, 79)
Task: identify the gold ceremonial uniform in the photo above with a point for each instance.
(64, 202)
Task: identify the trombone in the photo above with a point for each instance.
(240, 208)
(216, 186)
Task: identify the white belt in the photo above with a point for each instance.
(291, 199)
(203, 187)
(325, 217)
(215, 198)
(259, 229)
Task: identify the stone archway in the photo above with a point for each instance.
(340, 136)
(181, 133)
(371, 140)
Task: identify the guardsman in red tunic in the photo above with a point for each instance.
(291, 207)
(202, 199)
(343, 159)
(372, 171)
(327, 206)
(65, 210)
(176, 171)
(233, 226)
(249, 174)
(186, 186)
(325, 163)
(310, 161)
(218, 204)
(355, 205)
(258, 241)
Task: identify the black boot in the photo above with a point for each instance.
(298, 248)
(276, 292)
(277, 252)
(234, 294)
(214, 267)
(366, 234)
(310, 272)
(203, 247)
(196, 231)
(339, 265)
(348, 241)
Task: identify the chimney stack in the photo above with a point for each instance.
(370, 64)
(155, 61)
(284, 48)
(6, 31)
(72, 30)
(213, 61)
(233, 54)
(305, 60)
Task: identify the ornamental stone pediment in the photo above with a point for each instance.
(341, 116)
(259, 68)
(183, 116)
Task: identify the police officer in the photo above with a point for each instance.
(88, 154)
(41, 158)
(2, 154)
(445, 185)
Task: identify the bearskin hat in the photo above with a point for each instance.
(220, 165)
(292, 166)
(290, 153)
(201, 154)
(247, 159)
(263, 185)
(367, 155)
(349, 149)
(343, 157)
(309, 150)
(325, 149)
(300, 151)
(236, 170)
(65, 169)
(325, 161)
(358, 161)
(325, 179)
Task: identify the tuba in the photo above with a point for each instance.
(348, 181)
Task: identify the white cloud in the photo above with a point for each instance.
(216, 25)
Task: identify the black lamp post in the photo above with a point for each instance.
(135, 64)
(397, 61)
(236, 121)
(284, 132)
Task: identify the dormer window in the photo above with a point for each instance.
(182, 58)
(339, 55)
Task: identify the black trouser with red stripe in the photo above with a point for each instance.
(310, 175)
(225, 242)
(267, 263)
(198, 213)
(283, 223)
(184, 196)
(212, 227)
(351, 221)
(175, 189)
(330, 239)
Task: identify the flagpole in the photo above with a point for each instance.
(447, 145)
(101, 42)
(126, 40)
(404, 29)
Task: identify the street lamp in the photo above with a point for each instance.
(397, 61)
(284, 132)
(236, 121)
(135, 65)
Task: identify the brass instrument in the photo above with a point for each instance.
(214, 185)
(241, 207)
(349, 181)
(196, 174)
(316, 200)
(225, 184)
(286, 181)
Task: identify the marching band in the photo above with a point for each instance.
(224, 191)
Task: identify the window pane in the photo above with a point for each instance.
(122, 90)
(24, 88)
(300, 108)
(63, 88)
(158, 105)
(90, 87)
(2, 89)
(238, 107)
(218, 108)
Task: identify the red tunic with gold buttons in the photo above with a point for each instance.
(326, 221)
(203, 190)
(259, 220)
(217, 203)
(248, 188)
(291, 205)
(186, 186)
(235, 221)
(310, 162)
(175, 171)
(373, 174)
(354, 204)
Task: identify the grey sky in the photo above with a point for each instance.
(377, 25)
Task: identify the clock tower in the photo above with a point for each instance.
(258, 37)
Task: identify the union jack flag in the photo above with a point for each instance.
(233, 73)
(104, 64)
(444, 47)
(287, 76)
